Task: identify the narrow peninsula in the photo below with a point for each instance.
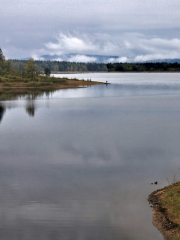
(29, 76)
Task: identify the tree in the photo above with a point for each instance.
(47, 71)
(2, 58)
(4, 66)
(31, 69)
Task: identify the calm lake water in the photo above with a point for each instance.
(78, 164)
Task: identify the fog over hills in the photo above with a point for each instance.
(166, 60)
(96, 58)
(73, 57)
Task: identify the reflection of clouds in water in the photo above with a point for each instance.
(69, 210)
(98, 217)
(87, 175)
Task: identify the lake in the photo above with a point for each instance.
(77, 164)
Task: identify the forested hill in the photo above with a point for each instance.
(144, 67)
(57, 66)
(64, 66)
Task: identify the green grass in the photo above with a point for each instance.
(170, 200)
(39, 84)
(22, 81)
(8, 80)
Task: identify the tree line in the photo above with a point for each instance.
(30, 69)
(61, 66)
(144, 67)
(27, 72)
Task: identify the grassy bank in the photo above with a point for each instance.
(166, 211)
(42, 82)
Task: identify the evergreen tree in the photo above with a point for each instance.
(47, 71)
(2, 58)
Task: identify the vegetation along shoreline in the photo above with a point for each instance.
(166, 210)
(31, 77)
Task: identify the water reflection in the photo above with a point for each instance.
(30, 108)
(2, 111)
(82, 170)
(29, 94)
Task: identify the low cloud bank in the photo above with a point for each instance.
(128, 47)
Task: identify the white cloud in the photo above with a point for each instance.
(127, 47)
(102, 28)
(141, 58)
(81, 58)
(58, 59)
(156, 48)
(120, 59)
(36, 57)
(72, 44)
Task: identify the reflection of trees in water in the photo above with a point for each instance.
(30, 109)
(2, 111)
(30, 105)
(29, 94)
(33, 96)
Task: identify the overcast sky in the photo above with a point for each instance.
(129, 29)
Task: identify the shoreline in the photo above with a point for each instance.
(68, 72)
(162, 219)
(75, 72)
(56, 86)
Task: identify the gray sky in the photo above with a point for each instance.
(131, 29)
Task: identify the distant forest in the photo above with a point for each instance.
(63, 66)
(57, 66)
(144, 67)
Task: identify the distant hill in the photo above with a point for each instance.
(79, 58)
(164, 60)
(73, 57)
